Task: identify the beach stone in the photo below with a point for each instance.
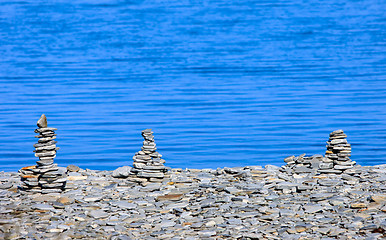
(41, 206)
(42, 122)
(207, 233)
(122, 172)
(342, 167)
(323, 165)
(300, 228)
(320, 196)
(150, 174)
(73, 168)
(124, 205)
(311, 208)
(332, 171)
(65, 200)
(121, 237)
(76, 178)
(98, 214)
(289, 159)
(167, 223)
(58, 205)
(6, 185)
(378, 198)
(358, 205)
(91, 198)
(170, 197)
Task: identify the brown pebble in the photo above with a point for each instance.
(73, 168)
(64, 200)
(29, 167)
(42, 122)
(300, 229)
(358, 205)
(170, 197)
(29, 176)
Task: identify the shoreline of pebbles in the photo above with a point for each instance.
(311, 197)
(250, 202)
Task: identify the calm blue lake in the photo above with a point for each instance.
(221, 83)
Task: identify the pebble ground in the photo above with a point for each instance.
(231, 203)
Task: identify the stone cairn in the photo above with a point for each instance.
(147, 162)
(45, 177)
(339, 151)
(335, 161)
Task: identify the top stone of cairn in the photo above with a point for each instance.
(42, 122)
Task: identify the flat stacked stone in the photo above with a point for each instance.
(45, 177)
(339, 151)
(336, 160)
(147, 162)
(308, 164)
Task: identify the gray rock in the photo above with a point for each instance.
(167, 223)
(150, 174)
(323, 165)
(6, 185)
(342, 167)
(207, 233)
(313, 208)
(41, 206)
(124, 205)
(122, 172)
(93, 198)
(98, 214)
(320, 196)
(46, 139)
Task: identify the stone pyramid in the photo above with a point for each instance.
(336, 160)
(339, 151)
(147, 162)
(45, 177)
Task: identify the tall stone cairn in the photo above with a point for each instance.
(339, 151)
(45, 177)
(147, 162)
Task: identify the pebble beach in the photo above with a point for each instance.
(192, 120)
(310, 197)
(252, 202)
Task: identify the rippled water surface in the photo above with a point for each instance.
(221, 83)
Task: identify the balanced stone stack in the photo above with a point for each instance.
(306, 164)
(147, 162)
(335, 161)
(45, 177)
(339, 151)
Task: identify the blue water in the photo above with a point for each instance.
(221, 83)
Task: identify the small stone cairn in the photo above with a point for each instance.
(339, 151)
(147, 162)
(335, 161)
(45, 177)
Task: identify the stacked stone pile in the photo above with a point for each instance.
(308, 164)
(45, 177)
(335, 161)
(339, 151)
(147, 162)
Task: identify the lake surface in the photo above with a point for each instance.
(221, 83)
